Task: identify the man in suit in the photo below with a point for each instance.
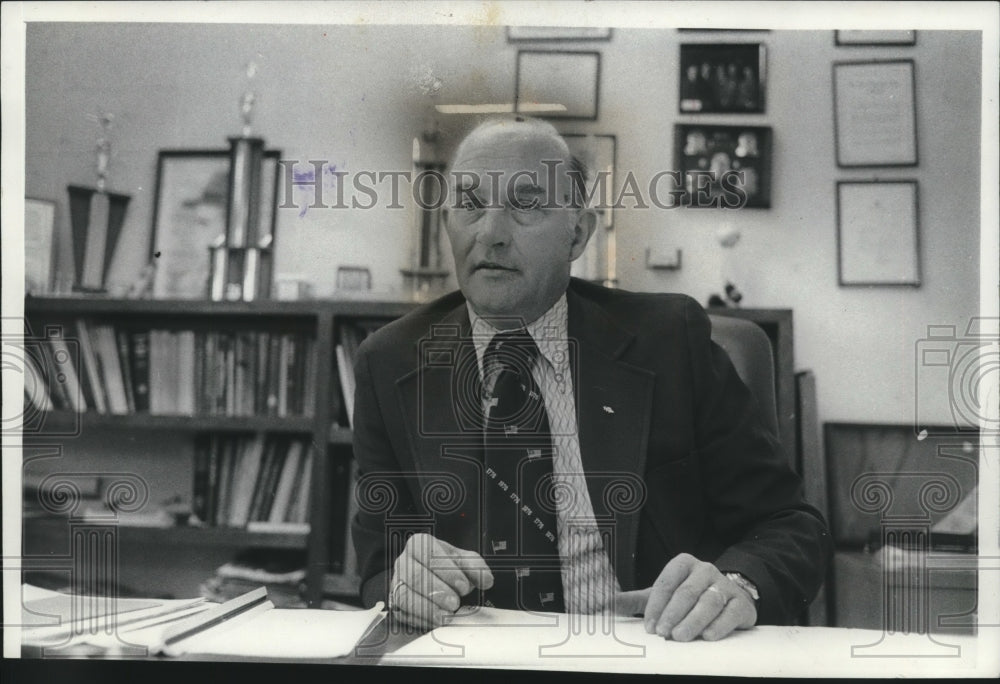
(538, 442)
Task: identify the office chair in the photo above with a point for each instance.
(750, 350)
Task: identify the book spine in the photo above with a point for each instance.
(186, 363)
(212, 486)
(258, 487)
(91, 367)
(226, 462)
(107, 349)
(273, 381)
(199, 352)
(304, 490)
(271, 482)
(125, 361)
(63, 365)
(286, 481)
(140, 369)
(199, 496)
(309, 393)
(284, 354)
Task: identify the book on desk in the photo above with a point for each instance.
(62, 624)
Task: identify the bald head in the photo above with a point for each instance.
(505, 138)
(512, 220)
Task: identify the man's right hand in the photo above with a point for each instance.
(429, 579)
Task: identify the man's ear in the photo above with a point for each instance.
(586, 223)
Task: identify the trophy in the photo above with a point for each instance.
(425, 274)
(241, 258)
(96, 217)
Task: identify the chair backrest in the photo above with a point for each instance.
(750, 350)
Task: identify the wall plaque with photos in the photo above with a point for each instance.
(724, 166)
(189, 216)
(875, 119)
(877, 235)
(722, 78)
(558, 84)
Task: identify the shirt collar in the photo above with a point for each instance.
(549, 331)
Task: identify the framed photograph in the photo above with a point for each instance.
(354, 278)
(517, 34)
(877, 233)
(189, 215)
(722, 78)
(597, 154)
(724, 166)
(875, 37)
(558, 84)
(39, 245)
(875, 118)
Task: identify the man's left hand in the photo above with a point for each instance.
(690, 598)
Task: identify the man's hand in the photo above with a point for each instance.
(429, 578)
(688, 599)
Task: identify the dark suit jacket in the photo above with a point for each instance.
(675, 454)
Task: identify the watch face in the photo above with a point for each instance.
(747, 585)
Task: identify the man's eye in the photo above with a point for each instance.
(470, 204)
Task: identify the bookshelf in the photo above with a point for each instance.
(232, 388)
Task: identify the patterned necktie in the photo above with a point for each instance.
(519, 536)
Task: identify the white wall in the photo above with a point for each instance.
(352, 96)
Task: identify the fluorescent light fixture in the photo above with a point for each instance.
(526, 108)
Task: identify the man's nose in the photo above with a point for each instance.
(496, 227)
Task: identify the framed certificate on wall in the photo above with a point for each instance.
(875, 113)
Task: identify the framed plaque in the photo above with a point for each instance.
(875, 113)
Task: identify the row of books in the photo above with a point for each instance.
(351, 335)
(123, 370)
(258, 482)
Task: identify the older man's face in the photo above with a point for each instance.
(512, 253)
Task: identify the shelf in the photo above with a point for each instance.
(229, 537)
(61, 421)
(89, 305)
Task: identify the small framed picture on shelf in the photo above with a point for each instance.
(39, 245)
(722, 78)
(558, 84)
(878, 240)
(189, 216)
(724, 166)
(354, 278)
(844, 38)
(875, 118)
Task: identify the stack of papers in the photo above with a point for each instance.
(248, 626)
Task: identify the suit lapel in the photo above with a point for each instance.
(614, 404)
(440, 401)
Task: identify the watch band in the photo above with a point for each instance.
(745, 584)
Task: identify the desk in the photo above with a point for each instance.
(541, 643)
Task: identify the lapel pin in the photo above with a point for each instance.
(608, 409)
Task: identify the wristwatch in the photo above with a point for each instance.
(747, 586)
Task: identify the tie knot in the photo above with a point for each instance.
(511, 349)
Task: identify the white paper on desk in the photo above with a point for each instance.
(573, 642)
(292, 633)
